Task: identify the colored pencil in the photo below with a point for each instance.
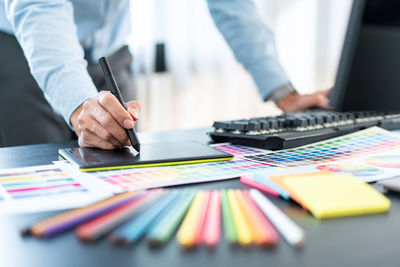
(248, 180)
(293, 234)
(187, 231)
(229, 224)
(169, 222)
(263, 231)
(133, 230)
(244, 235)
(212, 228)
(202, 218)
(70, 219)
(96, 228)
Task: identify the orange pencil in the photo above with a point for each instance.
(212, 229)
(96, 228)
(262, 231)
(202, 218)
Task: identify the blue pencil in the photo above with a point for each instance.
(132, 231)
(170, 219)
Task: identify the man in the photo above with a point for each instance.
(50, 80)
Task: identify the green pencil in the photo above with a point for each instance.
(229, 225)
(165, 228)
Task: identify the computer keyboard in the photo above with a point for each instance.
(299, 128)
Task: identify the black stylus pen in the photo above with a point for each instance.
(113, 87)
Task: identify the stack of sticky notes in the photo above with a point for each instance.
(248, 218)
(327, 195)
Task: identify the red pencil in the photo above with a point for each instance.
(202, 219)
(212, 229)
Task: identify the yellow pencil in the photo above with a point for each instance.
(187, 232)
(242, 228)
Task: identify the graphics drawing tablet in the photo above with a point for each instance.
(151, 155)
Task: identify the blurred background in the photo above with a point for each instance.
(186, 75)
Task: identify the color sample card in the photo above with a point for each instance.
(346, 152)
(46, 187)
(357, 170)
(370, 155)
(386, 161)
(133, 179)
(238, 150)
(329, 195)
(362, 143)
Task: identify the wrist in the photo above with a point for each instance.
(281, 92)
(286, 102)
(74, 117)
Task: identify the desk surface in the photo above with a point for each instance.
(355, 241)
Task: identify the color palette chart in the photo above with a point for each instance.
(46, 187)
(348, 150)
(238, 150)
(247, 216)
(369, 154)
(362, 143)
(388, 161)
(144, 178)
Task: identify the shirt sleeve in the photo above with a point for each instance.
(48, 36)
(251, 41)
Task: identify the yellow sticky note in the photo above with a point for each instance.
(335, 195)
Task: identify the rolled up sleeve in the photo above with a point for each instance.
(47, 34)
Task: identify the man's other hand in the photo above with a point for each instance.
(101, 121)
(295, 102)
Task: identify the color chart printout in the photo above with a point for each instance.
(44, 188)
(144, 178)
(370, 155)
(239, 150)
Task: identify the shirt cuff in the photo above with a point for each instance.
(268, 75)
(281, 92)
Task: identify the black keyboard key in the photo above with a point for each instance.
(253, 127)
(221, 124)
(237, 126)
(264, 124)
(300, 122)
(273, 124)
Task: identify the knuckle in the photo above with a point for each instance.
(87, 105)
(93, 128)
(81, 119)
(108, 136)
(107, 119)
(106, 99)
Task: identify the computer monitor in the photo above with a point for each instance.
(368, 77)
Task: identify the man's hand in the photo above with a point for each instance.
(101, 121)
(295, 102)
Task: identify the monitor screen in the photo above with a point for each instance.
(369, 70)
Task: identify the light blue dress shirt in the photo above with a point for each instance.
(55, 34)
